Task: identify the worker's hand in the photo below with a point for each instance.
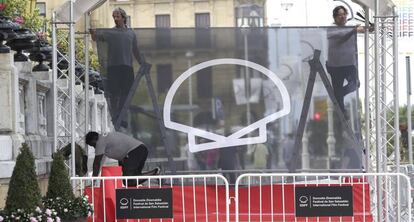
(92, 183)
(96, 183)
(93, 34)
(371, 28)
(360, 29)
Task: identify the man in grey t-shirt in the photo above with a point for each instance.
(342, 56)
(122, 45)
(130, 153)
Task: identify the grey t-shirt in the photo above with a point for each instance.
(342, 46)
(115, 145)
(120, 43)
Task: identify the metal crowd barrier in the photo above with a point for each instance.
(274, 197)
(195, 197)
(408, 169)
(379, 197)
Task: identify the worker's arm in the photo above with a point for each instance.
(136, 52)
(97, 165)
(93, 34)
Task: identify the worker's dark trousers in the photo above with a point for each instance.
(133, 164)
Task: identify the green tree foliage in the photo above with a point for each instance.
(63, 46)
(26, 10)
(24, 191)
(59, 184)
(390, 134)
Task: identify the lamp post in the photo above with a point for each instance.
(248, 16)
(331, 135)
(245, 30)
(189, 55)
(286, 5)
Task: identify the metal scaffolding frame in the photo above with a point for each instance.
(382, 109)
(381, 88)
(70, 92)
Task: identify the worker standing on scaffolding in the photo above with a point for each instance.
(121, 46)
(342, 56)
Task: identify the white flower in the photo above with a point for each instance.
(65, 210)
(57, 219)
(38, 210)
(33, 219)
(48, 212)
(89, 213)
(49, 219)
(86, 196)
(18, 210)
(18, 218)
(1, 218)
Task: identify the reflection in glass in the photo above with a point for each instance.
(219, 95)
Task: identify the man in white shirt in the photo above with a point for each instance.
(130, 153)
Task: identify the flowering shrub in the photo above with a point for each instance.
(19, 11)
(42, 36)
(38, 215)
(70, 209)
(2, 7)
(19, 20)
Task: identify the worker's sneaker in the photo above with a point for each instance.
(157, 171)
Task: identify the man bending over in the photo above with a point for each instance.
(130, 153)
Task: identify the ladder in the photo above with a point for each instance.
(316, 67)
(144, 71)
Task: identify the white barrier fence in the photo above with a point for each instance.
(195, 197)
(408, 169)
(343, 197)
(278, 197)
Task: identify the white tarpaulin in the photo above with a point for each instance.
(80, 7)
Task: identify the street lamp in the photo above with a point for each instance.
(286, 5)
(248, 16)
(189, 55)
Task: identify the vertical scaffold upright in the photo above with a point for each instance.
(382, 107)
(70, 90)
(381, 90)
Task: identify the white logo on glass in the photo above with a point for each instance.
(235, 139)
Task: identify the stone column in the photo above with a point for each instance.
(31, 107)
(7, 99)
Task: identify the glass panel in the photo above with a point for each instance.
(244, 106)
